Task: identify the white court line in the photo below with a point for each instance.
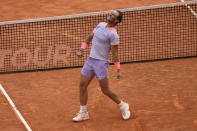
(14, 108)
(192, 11)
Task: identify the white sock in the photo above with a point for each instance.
(83, 108)
(121, 103)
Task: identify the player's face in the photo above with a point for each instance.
(112, 17)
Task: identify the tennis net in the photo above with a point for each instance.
(151, 33)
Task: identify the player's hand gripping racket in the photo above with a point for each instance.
(80, 54)
(119, 75)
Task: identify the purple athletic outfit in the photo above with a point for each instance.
(98, 60)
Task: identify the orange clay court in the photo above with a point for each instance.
(163, 93)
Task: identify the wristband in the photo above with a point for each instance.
(84, 45)
(117, 65)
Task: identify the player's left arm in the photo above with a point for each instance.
(115, 58)
(114, 48)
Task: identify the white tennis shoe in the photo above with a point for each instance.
(81, 116)
(125, 111)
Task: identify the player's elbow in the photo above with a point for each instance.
(91, 35)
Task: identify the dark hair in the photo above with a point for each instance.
(119, 16)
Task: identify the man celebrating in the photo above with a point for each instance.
(104, 38)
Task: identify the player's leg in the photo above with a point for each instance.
(101, 71)
(87, 75)
(104, 84)
(124, 107)
(84, 82)
(83, 113)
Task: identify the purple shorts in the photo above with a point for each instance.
(96, 67)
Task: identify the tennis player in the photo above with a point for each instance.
(104, 38)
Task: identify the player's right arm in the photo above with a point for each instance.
(89, 38)
(87, 41)
(85, 44)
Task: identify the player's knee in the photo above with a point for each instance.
(82, 89)
(83, 86)
(105, 91)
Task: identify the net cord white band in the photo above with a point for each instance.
(96, 13)
(192, 11)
